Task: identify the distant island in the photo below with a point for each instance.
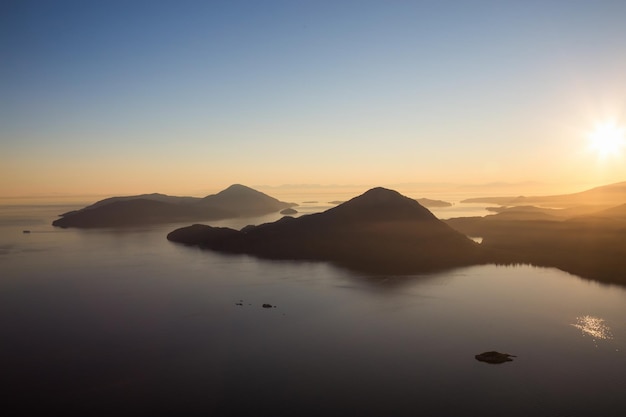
(604, 196)
(235, 201)
(428, 203)
(378, 231)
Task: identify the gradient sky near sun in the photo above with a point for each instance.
(185, 96)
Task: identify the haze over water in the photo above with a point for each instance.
(109, 321)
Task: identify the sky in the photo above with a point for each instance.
(186, 97)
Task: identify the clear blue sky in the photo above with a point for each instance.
(184, 96)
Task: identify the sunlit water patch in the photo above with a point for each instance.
(594, 327)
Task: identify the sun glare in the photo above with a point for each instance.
(607, 139)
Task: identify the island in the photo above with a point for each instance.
(378, 231)
(602, 197)
(429, 203)
(382, 231)
(235, 201)
(584, 240)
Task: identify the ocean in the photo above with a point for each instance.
(124, 322)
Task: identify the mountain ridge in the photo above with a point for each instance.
(607, 195)
(235, 201)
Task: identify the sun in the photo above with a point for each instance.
(607, 139)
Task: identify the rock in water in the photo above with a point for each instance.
(494, 357)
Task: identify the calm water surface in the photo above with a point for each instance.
(123, 322)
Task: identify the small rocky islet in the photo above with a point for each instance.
(494, 357)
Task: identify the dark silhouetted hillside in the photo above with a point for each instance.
(380, 231)
(616, 213)
(163, 198)
(542, 213)
(244, 201)
(136, 212)
(235, 201)
(592, 245)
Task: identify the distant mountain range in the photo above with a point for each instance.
(235, 201)
(607, 195)
(380, 230)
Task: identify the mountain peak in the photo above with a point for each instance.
(244, 200)
(240, 191)
(381, 202)
(238, 188)
(380, 195)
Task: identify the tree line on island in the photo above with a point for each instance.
(382, 231)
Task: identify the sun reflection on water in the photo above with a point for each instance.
(594, 327)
